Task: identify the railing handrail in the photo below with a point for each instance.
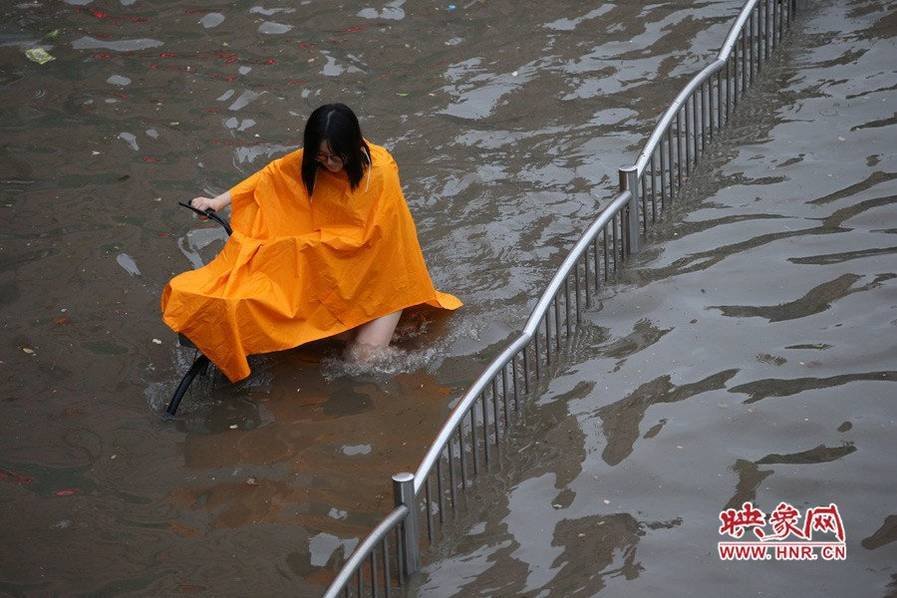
(698, 79)
(666, 120)
(457, 415)
(394, 518)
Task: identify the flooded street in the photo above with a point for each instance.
(748, 353)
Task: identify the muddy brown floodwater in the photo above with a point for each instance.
(748, 355)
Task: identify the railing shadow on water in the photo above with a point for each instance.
(469, 441)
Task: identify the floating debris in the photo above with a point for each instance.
(127, 262)
(39, 55)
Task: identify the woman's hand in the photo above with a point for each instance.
(217, 203)
(204, 203)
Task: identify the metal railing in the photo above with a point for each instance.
(470, 440)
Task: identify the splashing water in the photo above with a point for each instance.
(383, 361)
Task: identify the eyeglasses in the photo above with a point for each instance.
(322, 157)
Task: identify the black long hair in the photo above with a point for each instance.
(338, 126)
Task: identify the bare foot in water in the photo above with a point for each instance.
(373, 338)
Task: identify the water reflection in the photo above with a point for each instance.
(779, 284)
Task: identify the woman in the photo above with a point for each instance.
(323, 245)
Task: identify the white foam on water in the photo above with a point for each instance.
(385, 361)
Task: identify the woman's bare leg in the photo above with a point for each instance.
(374, 335)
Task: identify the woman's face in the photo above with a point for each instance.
(328, 159)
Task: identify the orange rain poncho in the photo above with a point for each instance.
(296, 270)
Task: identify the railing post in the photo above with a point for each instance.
(403, 493)
(629, 181)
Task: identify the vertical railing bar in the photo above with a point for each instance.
(696, 112)
(526, 370)
(719, 100)
(653, 192)
(451, 468)
(504, 396)
(735, 75)
(485, 428)
(622, 225)
(663, 193)
(567, 300)
(688, 129)
(474, 448)
(462, 454)
(670, 159)
(597, 263)
(495, 410)
(694, 122)
(440, 491)
(514, 377)
(604, 240)
(775, 24)
(761, 35)
(744, 61)
(536, 354)
(585, 257)
(429, 505)
(557, 323)
(576, 292)
(753, 46)
(728, 89)
(703, 117)
(547, 318)
(679, 147)
(400, 566)
(373, 573)
(387, 581)
(614, 224)
(644, 185)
